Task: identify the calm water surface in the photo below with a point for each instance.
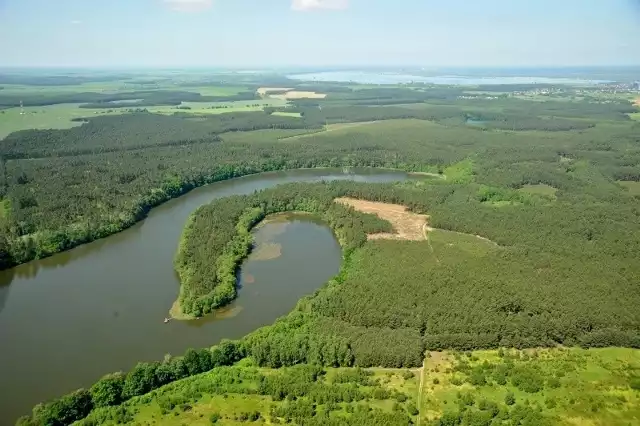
(67, 320)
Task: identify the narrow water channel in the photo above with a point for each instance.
(67, 320)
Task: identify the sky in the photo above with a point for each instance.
(281, 33)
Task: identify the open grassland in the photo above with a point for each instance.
(206, 108)
(541, 387)
(268, 136)
(563, 386)
(540, 189)
(46, 117)
(118, 86)
(632, 186)
(60, 116)
(298, 395)
(216, 90)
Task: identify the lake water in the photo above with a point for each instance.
(363, 77)
(69, 319)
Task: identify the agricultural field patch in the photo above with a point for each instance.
(267, 90)
(287, 114)
(58, 116)
(295, 94)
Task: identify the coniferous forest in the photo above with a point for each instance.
(533, 241)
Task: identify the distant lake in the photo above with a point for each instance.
(457, 80)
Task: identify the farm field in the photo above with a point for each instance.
(60, 116)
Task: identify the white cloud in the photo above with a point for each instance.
(189, 5)
(76, 22)
(302, 5)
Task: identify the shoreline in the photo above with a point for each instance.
(145, 208)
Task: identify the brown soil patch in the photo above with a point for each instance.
(408, 226)
(264, 90)
(637, 102)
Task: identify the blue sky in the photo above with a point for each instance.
(265, 33)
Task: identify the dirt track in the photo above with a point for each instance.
(408, 225)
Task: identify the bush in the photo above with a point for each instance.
(449, 419)
(140, 380)
(550, 402)
(412, 410)
(380, 394)
(108, 390)
(477, 379)
(213, 418)
(510, 399)
(527, 380)
(553, 383)
(64, 411)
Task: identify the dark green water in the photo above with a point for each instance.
(67, 320)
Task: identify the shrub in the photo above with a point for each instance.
(527, 380)
(553, 383)
(408, 375)
(477, 379)
(550, 402)
(411, 408)
(108, 390)
(510, 399)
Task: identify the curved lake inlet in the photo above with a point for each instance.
(69, 319)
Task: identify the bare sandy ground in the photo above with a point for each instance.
(264, 90)
(300, 95)
(637, 102)
(408, 225)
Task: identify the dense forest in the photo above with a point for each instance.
(61, 188)
(524, 307)
(538, 181)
